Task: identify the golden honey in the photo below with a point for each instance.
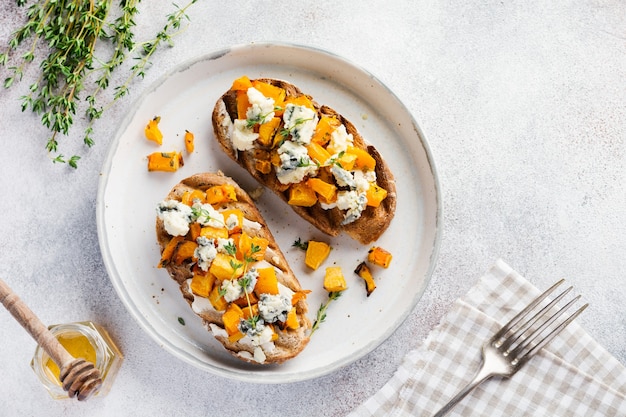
(85, 340)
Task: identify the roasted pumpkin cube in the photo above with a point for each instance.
(347, 161)
(165, 161)
(245, 301)
(267, 282)
(241, 84)
(375, 195)
(334, 280)
(191, 197)
(363, 159)
(316, 253)
(301, 194)
(168, 251)
(324, 128)
(292, 319)
(299, 295)
(271, 91)
(189, 141)
(242, 104)
(214, 232)
(322, 188)
(251, 248)
(228, 214)
(184, 251)
(194, 231)
(364, 272)
(217, 301)
(226, 267)
(379, 256)
(202, 284)
(318, 153)
(250, 311)
(231, 318)
(224, 193)
(153, 132)
(268, 130)
(301, 100)
(264, 167)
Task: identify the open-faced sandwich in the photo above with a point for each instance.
(308, 154)
(217, 247)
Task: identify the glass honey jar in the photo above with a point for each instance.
(85, 340)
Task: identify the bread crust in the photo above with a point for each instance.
(373, 221)
(289, 342)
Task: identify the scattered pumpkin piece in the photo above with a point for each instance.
(364, 272)
(153, 132)
(379, 256)
(165, 161)
(316, 254)
(189, 141)
(334, 280)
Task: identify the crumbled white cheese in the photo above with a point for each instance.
(232, 221)
(340, 139)
(223, 245)
(261, 108)
(251, 227)
(232, 287)
(208, 216)
(295, 163)
(274, 308)
(300, 122)
(205, 252)
(353, 202)
(343, 177)
(243, 137)
(362, 177)
(176, 217)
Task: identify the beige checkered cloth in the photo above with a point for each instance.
(573, 376)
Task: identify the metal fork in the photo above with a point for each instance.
(512, 346)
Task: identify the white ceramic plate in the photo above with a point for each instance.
(184, 98)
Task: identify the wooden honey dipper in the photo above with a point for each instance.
(80, 378)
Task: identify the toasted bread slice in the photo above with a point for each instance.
(201, 278)
(324, 214)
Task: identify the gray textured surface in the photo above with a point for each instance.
(523, 104)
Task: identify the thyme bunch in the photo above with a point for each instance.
(72, 31)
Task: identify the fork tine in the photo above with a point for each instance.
(554, 332)
(505, 345)
(505, 329)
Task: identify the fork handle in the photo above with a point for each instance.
(482, 375)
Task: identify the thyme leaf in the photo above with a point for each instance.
(321, 312)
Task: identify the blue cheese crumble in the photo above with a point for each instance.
(176, 217)
(274, 308)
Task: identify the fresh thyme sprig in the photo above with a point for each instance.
(321, 312)
(72, 31)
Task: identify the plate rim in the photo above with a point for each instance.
(238, 374)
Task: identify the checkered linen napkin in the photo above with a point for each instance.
(572, 376)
